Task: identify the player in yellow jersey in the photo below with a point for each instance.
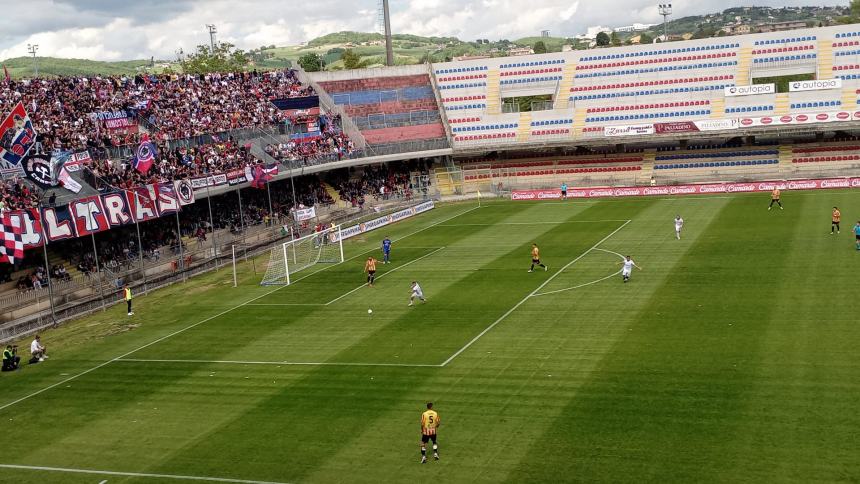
(536, 259)
(774, 198)
(836, 218)
(370, 269)
(429, 423)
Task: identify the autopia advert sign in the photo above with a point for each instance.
(816, 85)
(670, 190)
(753, 90)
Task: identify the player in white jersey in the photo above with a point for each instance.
(416, 292)
(628, 268)
(679, 223)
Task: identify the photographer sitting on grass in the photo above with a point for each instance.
(11, 358)
(37, 351)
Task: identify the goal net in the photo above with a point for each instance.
(296, 255)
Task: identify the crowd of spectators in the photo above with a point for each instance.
(382, 182)
(331, 144)
(172, 106)
(175, 164)
(15, 194)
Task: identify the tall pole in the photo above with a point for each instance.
(98, 270)
(139, 241)
(241, 215)
(48, 270)
(212, 32)
(212, 225)
(389, 49)
(665, 10)
(269, 195)
(32, 48)
(181, 264)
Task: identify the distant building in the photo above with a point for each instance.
(633, 28)
(470, 57)
(781, 26)
(738, 29)
(521, 51)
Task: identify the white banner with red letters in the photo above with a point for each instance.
(669, 190)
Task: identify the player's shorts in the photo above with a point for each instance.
(564, 193)
(625, 273)
(858, 236)
(535, 261)
(418, 295)
(427, 438)
(371, 273)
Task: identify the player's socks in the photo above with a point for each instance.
(545, 268)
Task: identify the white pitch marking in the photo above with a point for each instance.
(276, 363)
(523, 300)
(103, 482)
(158, 340)
(534, 223)
(383, 275)
(286, 304)
(587, 283)
(134, 474)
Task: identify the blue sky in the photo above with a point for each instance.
(119, 29)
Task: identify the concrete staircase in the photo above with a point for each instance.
(785, 157)
(579, 122)
(562, 97)
(524, 131)
(444, 181)
(718, 107)
(335, 195)
(742, 76)
(825, 59)
(648, 160)
(849, 98)
(494, 92)
(782, 105)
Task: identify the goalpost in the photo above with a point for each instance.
(325, 247)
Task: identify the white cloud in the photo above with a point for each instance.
(112, 30)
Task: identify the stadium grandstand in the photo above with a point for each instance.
(698, 111)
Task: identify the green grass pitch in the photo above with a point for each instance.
(732, 356)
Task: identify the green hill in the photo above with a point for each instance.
(51, 66)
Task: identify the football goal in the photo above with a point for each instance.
(296, 255)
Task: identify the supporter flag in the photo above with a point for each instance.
(17, 136)
(260, 175)
(144, 156)
(66, 180)
(6, 75)
(11, 238)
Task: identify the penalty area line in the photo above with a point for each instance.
(383, 275)
(135, 474)
(210, 318)
(276, 363)
(587, 283)
(530, 295)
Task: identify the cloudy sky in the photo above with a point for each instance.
(120, 29)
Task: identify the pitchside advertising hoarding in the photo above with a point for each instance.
(386, 220)
(672, 190)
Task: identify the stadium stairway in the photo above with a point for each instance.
(718, 108)
(786, 156)
(335, 195)
(849, 98)
(579, 121)
(825, 59)
(648, 160)
(742, 77)
(782, 105)
(562, 97)
(494, 92)
(525, 130)
(444, 181)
